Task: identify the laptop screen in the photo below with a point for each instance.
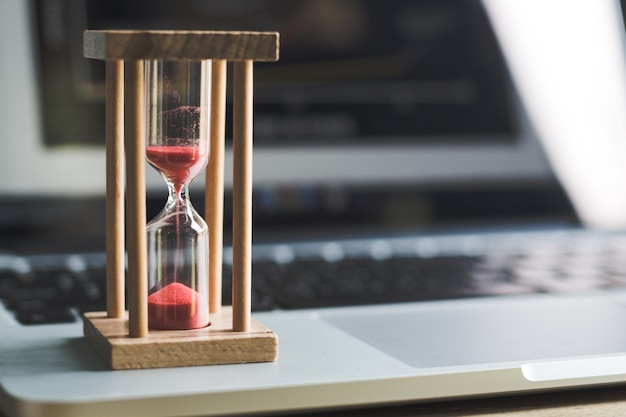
(388, 113)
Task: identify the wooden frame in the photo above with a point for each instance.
(123, 339)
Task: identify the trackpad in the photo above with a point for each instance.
(488, 330)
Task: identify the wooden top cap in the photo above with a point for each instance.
(180, 45)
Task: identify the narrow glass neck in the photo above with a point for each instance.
(178, 198)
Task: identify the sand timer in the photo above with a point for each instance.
(158, 95)
(177, 146)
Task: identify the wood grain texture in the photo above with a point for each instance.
(213, 345)
(242, 194)
(214, 193)
(116, 264)
(136, 198)
(174, 45)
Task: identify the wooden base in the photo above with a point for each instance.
(213, 345)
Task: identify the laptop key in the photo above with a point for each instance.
(9, 280)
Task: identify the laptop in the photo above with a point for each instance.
(437, 205)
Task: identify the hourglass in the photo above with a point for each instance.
(165, 105)
(177, 146)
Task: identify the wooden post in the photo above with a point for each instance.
(136, 199)
(242, 194)
(214, 193)
(115, 188)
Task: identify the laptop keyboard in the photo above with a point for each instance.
(56, 289)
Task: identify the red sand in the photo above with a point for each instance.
(178, 163)
(177, 307)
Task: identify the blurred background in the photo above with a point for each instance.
(400, 116)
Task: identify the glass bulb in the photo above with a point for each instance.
(177, 146)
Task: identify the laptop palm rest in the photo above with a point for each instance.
(491, 330)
